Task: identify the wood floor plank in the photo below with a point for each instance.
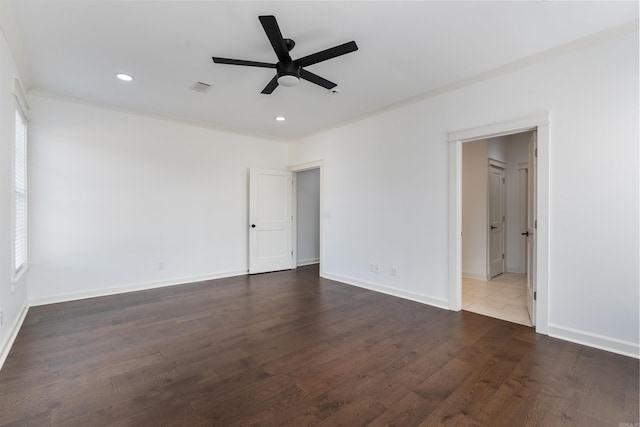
(467, 403)
(515, 397)
(290, 348)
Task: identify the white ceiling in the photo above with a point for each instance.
(74, 49)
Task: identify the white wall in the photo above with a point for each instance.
(497, 148)
(114, 195)
(13, 303)
(308, 216)
(386, 188)
(474, 209)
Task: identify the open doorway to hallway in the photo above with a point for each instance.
(496, 197)
(308, 217)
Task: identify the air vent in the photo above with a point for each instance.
(201, 87)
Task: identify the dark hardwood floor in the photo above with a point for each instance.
(289, 348)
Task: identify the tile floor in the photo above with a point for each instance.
(503, 297)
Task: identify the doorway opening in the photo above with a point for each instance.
(494, 223)
(538, 220)
(308, 201)
(307, 196)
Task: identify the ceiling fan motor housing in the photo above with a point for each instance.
(290, 44)
(288, 73)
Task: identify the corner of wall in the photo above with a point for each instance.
(7, 343)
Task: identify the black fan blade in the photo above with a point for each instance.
(314, 78)
(333, 52)
(242, 62)
(272, 30)
(271, 86)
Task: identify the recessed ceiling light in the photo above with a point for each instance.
(124, 77)
(280, 118)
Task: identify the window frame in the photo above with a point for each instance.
(20, 108)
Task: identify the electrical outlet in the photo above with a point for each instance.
(1, 318)
(394, 271)
(375, 269)
(161, 266)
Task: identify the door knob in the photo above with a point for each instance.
(526, 233)
(253, 226)
(493, 226)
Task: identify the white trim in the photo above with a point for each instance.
(5, 348)
(308, 262)
(18, 92)
(601, 342)
(474, 276)
(294, 220)
(74, 296)
(496, 163)
(499, 129)
(542, 173)
(17, 278)
(455, 225)
(400, 293)
(456, 139)
(301, 167)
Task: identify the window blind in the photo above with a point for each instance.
(20, 192)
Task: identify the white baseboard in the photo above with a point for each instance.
(304, 262)
(613, 345)
(5, 348)
(474, 276)
(425, 299)
(73, 296)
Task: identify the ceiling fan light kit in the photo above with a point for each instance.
(288, 71)
(288, 80)
(288, 74)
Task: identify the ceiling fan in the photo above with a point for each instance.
(288, 71)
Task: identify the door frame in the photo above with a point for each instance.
(541, 123)
(301, 167)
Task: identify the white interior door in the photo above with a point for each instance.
(496, 220)
(270, 220)
(523, 205)
(530, 232)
